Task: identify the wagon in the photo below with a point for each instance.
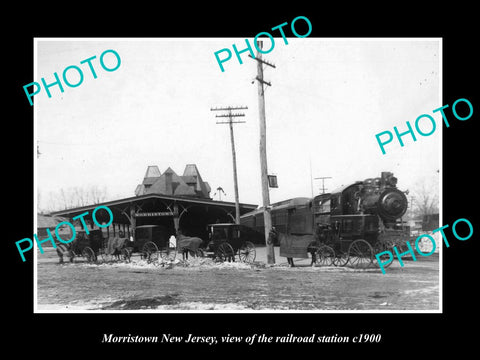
(152, 243)
(88, 246)
(355, 239)
(306, 246)
(229, 240)
(93, 246)
(116, 248)
(327, 248)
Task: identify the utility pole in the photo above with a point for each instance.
(267, 218)
(412, 200)
(323, 182)
(311, 176)
(230, 115)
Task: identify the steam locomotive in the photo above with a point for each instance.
(348, 225)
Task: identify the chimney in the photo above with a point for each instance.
(168, 183)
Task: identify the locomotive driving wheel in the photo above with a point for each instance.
(225, 252)
(360, 254)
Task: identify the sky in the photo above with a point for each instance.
(329, 98)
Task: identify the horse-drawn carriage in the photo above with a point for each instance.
(153, 243)
(92, 245)
(226, 241)
(327, 250)
(88, 246)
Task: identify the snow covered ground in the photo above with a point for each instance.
(203, 285)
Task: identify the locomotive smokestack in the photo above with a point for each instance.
(387, 179)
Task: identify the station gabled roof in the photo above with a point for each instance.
(47, 221)
(152, 172)
(170, 183)
(121, 204)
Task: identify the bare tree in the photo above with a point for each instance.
(76, 196)
(97, 195)
(426, 199)
(65, 198)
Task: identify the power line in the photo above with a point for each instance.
(231, 115)
(323, 182)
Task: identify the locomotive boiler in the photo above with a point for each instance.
(380, 196)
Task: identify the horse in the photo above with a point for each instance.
(188, 244)
(64, 249)
(115, 246)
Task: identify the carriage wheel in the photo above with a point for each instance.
(126, 254)
(380, 247)
(360, 254)
(89, 254)
(225, 252)
(150, 252)
(247, 252)
(168, 253)
(340, 259)
(325, 256)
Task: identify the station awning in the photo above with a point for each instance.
(191, 215)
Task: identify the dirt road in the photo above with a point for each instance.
(203, 285)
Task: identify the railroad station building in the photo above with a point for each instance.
(176, 202)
